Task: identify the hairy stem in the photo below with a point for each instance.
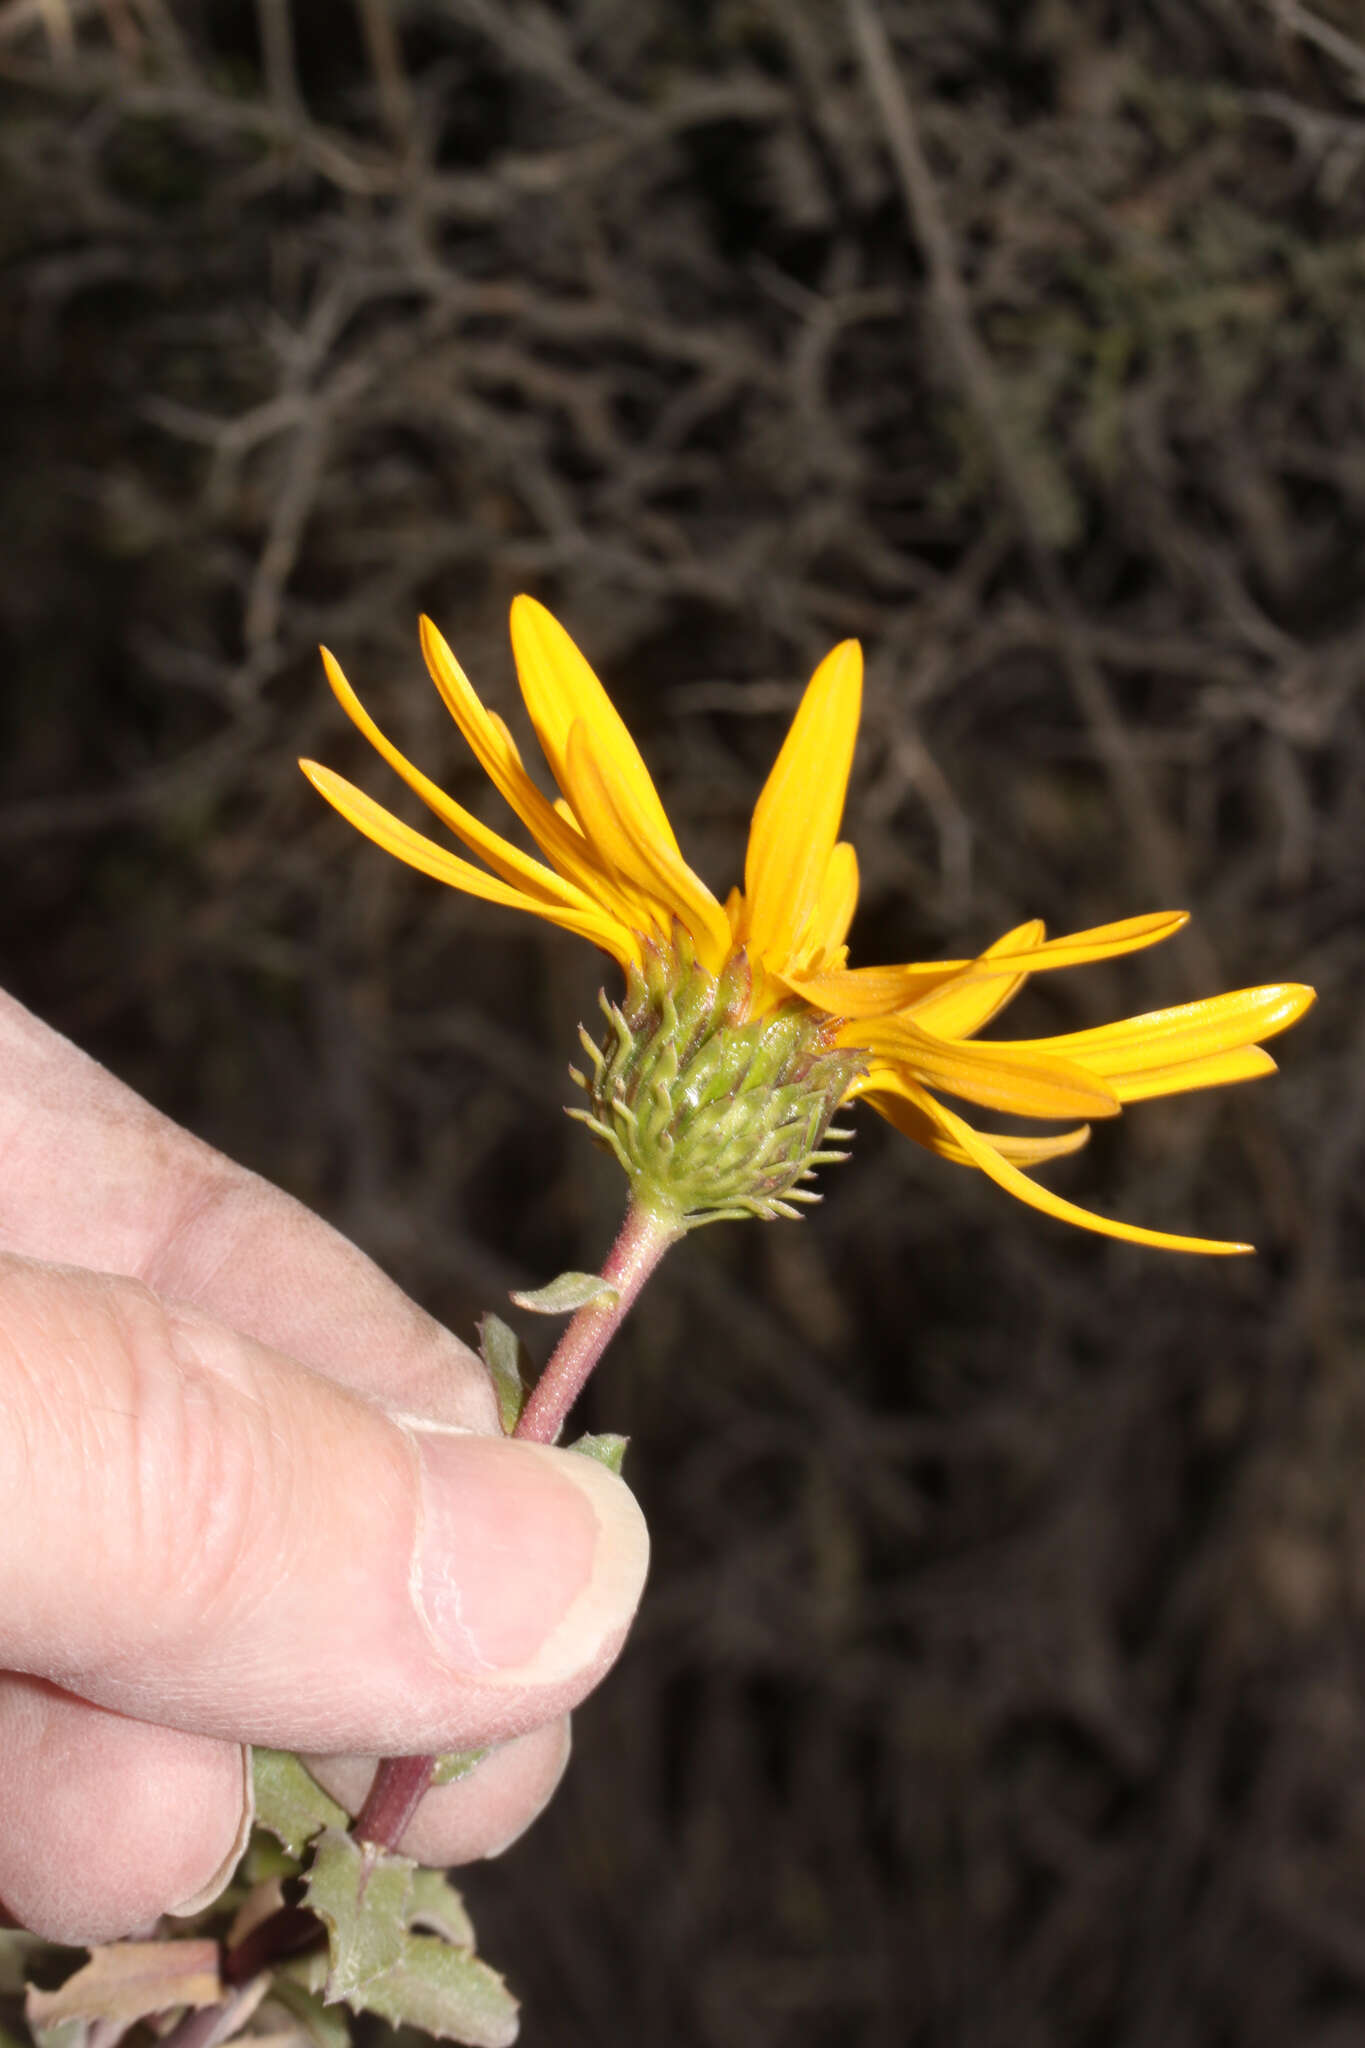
(401, 1781)
(644, 1239)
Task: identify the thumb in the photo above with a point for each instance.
(203, 1533)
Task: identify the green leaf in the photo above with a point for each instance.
(323, 2025)
(265, 1858)
(566, 1292)
(290, 1803)
(446, 1992)
(361, 1896)
(608, 1449)
(457, 1764)
(508, 1367)
(438, 1907)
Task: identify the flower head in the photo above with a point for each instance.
(782, 1029)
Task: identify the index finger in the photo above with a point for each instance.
(94, 1176)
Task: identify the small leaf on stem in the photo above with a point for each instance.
(567, 1292)
(457, 1764)
(508, 1365)
(608, 1449)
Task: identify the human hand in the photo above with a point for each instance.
(252, 1494)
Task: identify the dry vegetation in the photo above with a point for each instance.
(1000, 1679)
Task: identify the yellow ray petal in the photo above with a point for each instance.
(969, 1003)
(614, 824)
(485, 734)
(834, 906)
(494, 748)
(991, 1162)
(424, 854)
(1189, 1031)
(989, 1074)
(514, 866)
(796, 819)
(874, 991)
(1216, 1070)
(1102, 941)
(979, 996)
(560, 688)
(556, 831)
(882, 1091)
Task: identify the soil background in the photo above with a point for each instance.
(999, 1682)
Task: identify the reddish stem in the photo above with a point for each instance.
(643, 1241)
(393, 1798)
(401, 1781)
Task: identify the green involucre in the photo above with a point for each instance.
(709, 1115)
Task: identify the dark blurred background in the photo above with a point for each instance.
(1000, 1678)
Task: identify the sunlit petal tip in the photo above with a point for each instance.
(536, 632)
(844, 663)
(435, 646)
(560, 689)
(1295, 999)
(336, 675)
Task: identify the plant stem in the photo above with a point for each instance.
(401, 1781)
(395, 1794)
(644, 1239)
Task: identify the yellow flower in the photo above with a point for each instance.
(614, 873)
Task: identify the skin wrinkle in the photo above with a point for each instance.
(86, 1428)
(118, 1454)
(265, 1521)
(237, 1500)
(171, 1267)
(198, 1523)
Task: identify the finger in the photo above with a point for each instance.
(478, 1816)
(94, 1176)
(107, 1823)
(203, 1533)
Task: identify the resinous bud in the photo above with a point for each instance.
(710, 1112)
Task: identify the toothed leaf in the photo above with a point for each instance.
(291, 1804)
(446, 1992)
(437, 1907)
(361, 1896)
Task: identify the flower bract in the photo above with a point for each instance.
(897, 1037)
